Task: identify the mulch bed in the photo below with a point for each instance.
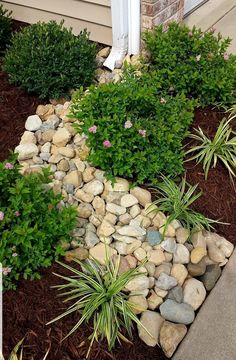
(27, 310)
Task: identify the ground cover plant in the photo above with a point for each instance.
(31, 224)
(97, 293)
(48, 60)
(133, 128)
(5, 28)
(193, 62)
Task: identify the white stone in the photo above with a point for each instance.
(123, 238)
(140, 282)
(169, 245)
(182, 235)
(61, 137)
(134, 231)
(33, 123)
(135, 211)
(143, 196)
(26, 151)
(106, 229)
(94, 187)
(140, 254)
(120, 247)
(119, 185)
(166, 282)
(115, 209)
(194, 293)
(28, 138)
(214, 253)
(128, 200)
(101, 253)
(181, 255)
(197, 239)
(151, 321)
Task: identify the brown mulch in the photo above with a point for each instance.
(27, 310)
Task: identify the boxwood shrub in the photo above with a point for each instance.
(134, 129)
(5, 28)
(194, 62)
(31, 224)
(48, 59)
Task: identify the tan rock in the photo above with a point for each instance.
(28, 138)
(66, 151)
(133, 246)
(182, 235)
(179, 272)
(61, 137)
(170, 337)
(157, 257)
(140, 254)
(138, 303)
(132, 261)
(159, 220)
(111, 218)
(197, 254)
(85, 210)
(99, 206)
(79, 253)
(152, 322)
(81, 195)
(74, 177)
(154, 301)
(165, 267)
(160, 292)
(106, 229)
(101, 253)
(119, 185)
(143, 196)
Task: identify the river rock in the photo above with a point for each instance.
(33, 123)
(181, 255)
(194, 293)
(94, 187)
(153, 237)
(85, 210)
(106, 228)
(116, 209)
(165, 268)
(154, 301)
(182, 235)
(128, 200)
(136, 244)
(135, 211)
(78, 253)
(197, 254)
(91, 239)
(197, 269)
(28, 138)
(120, 247)
(176, 294)
(61, 137)
(214, 253)
(74, 177)
(85, 197)
(66, 151)
(101, 253)
(170, 337)
(198, 239)
(169, 245)
(140, 282)
(26, 151)
(211, 276)
(128, 230)
(179, 272)
(138, 303)
(140, 254)
(152, 322)
(143, 196)
(157, 257)
(120, 185)
(165, 282)
(178, 313)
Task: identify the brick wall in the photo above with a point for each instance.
(155, 12)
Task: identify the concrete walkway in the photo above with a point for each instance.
(220, 14)
(213, 334)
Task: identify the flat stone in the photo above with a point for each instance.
(152, 322)
(179, 272)
(154, 301)
(26, 151)
(157, 257)
(197, 269)
(165, 282)
(169, 245)
(211, 276)
(94, 187)
(33, 123)
(176, 294)
(135, 211)
(140, 254)
(140, 282)
(74, 177)
(194, 293)
(61, 137)
(181, 255)
(138, 303)
(143, 196)
(116, 210)
(127, 230)
(178, 313)
(85, 197)
(170, 337)
(119, 185)
(101, 252)
(128, 200)
(182, 235)
(153, 237)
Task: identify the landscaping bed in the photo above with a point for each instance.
(134, 129)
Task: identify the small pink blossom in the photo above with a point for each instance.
(6, 270)
(93, 129)
(107, 143)
(9, 166)
(190, 34)
(14, 254)
(128, 124)
(17, 213)
(142, 132)
(1, 215)
(226, 57)
(198, 57)
(163, 101)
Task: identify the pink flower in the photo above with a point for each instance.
(226, 57)
(190, 34)
(198, 57)
(14, 254)
(8, 166)
(107, 143)
(6, 270)
(142, 132)
(162, 101)
(93, 129)
(17, 213)
(128, 124)
(1, 215)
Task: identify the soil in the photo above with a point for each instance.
(27, 310)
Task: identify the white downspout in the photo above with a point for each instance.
(134, 16)
(125, 30)
(119, 15)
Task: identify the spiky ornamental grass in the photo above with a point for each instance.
(175, 200)
(97, 294)
(222, 147)
(17, 352)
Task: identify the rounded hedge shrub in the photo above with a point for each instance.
(49, 60)
(5, 27)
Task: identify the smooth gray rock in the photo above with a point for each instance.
(153, 237)
(197, 269)
(169, 245)
(211, 276)
(178, 313)
(165, 282)
(176, 294)
(91, 239)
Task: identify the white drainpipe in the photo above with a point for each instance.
(125, 30)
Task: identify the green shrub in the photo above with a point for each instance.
(48, 60)
(97, 294)
(31, 224)
(133, 129)
(194, 62)
(5, 28)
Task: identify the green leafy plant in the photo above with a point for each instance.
(175, 200)
(193, 62)
(222, 147)
(5, 27)
(97, 292)
(49, 60)
(133, 128)
(31, 223)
